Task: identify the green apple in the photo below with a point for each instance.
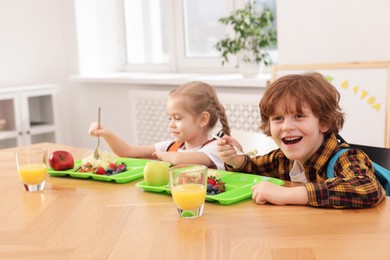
(156, 173)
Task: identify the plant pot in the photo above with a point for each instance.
(247, 68)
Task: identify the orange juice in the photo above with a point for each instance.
(32, 173)
(189, 196)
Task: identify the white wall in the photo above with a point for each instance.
(100, 36)
(31, 45)
(37, 46)
(327, 31)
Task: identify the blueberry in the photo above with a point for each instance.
(209, 187)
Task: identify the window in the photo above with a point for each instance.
(173, 35)
(201, 27)
(152, 35)
(146, 31)
(198, 31)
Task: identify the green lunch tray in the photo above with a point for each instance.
(238, 186)
(135, 170)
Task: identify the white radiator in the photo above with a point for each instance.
(151, 120)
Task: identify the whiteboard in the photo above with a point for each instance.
(364, 90)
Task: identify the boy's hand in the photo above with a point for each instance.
(227, 153)
(267, 191)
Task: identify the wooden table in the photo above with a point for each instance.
(85, 219)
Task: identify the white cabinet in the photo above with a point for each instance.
(30, 115)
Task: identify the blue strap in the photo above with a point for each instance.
(330, 169)
(381, 173)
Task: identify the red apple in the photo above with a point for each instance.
(61, 160)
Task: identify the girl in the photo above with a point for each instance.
(302, 114)
(193, 110)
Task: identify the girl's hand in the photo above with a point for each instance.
(157, 155)
(227, 153)
(94, 131)
(267, 191)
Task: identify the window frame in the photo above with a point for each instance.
(102, 49)
(167, 67)
(202, 64)
(178, 62)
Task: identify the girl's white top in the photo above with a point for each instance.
(210, 150)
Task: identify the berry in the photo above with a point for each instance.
(121, 168)
(211, 181)
(112, 166)
(209, 187)
(100, 170)
(215, 186)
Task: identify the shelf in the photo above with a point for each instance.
(30, 114)
(40, 129)
(8, 134)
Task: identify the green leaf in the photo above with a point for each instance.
(252, 31)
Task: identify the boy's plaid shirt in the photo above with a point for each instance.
(354, 185)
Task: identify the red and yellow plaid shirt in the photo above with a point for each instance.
(354, 185)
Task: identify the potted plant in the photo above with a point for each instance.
(252, 34)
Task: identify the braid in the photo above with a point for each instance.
(223, 119)
(220, 113)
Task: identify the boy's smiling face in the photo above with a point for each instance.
(298, 134)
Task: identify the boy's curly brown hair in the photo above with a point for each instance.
(310, 89)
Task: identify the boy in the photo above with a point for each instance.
(302, 115)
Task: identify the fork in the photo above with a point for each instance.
(96, 152)
(239, 152)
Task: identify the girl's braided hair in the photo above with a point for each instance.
(198, 97)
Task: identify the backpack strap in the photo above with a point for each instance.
(174, 146)
(330, 169)
(381, 173)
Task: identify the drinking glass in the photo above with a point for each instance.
(32, 168)
(188, 185)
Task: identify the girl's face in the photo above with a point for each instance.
(298, 135)
(183, 125)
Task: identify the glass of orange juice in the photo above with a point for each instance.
(188, 185)
(32, 168)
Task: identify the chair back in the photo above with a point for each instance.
(378, 155)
